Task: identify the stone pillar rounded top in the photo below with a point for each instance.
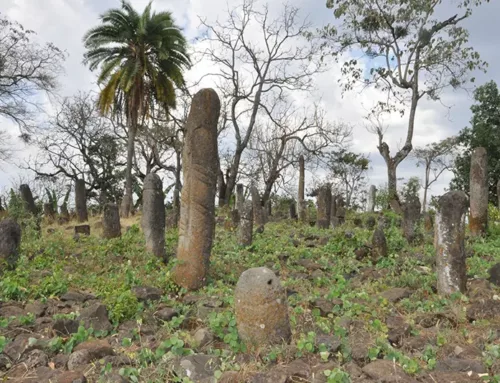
(259, 285)
(152, 182)
(453, 202)
(261, 308)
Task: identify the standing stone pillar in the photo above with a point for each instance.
(153, 215)
(379, 244)
(245, 228)
(240, 199)
(258, 210)
(49, 212)
(10, 239)
(111, 227)
(301, 202)
(449, 242)
(340, 211)
(293, 210)
(411, 216)
(478, 192)
(324, 207)
(261, 308)
(372, 195)
(197, 223)
(27, 196)
(81, 201)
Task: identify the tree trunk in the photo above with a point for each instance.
(232, 176)
(393, 187)
(301, 196)
(426, 188)
(222, 188)
(127, 198)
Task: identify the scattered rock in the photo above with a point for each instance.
(96, 316)
(8, 311)
(76, 296)
(396, 294)
(35, 358)
(60, 361)
(324, 305)
(15, 349)
(202, 337)
(88, 351)
(386, 371)
(309, 264)
(166, 314)
(35, 308)
(147, 293)
(331, 342)
(362, 252)
(398, 328)
(199, 368)
(494, 273)
(460, 365)
(487, 309)
(71, 377)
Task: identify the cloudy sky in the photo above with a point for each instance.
(64, 22)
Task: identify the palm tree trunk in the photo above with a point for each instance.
(127, 198)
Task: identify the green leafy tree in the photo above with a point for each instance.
(141, 59)
(484, 131)
(411, 49)
(350, 170)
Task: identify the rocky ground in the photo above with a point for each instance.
(94, 310)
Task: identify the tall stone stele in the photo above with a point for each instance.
(197, 223)
(261, 308)
(10, 239)
(324, 207)
(153, 215)
(478, 192)
(498, 193)
(245, 227)
(411, 217)
(301, 202)
(449, 243)
(27, 196)
(372, 195)
(81, 201)
(240, 199)
(111, 227)
(259, 214)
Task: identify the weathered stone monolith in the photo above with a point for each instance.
(292, 210)
(81, 201)
(478, 192)
(261, 308)
(240, 198)
(49, 212)
(411, 217)
(245, 228)
(258, 210)
(428, 223)
(10, 238)
(63, 214)
(379, 244)
(301, 203)
(27, 196)
(81, 230)
(324, 202)
(340, 212)
(111, 227)
(153, 215)
(197, 223)
(372, 195)
(449, 242)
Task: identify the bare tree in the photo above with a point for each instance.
(79, 143)
(435, 158)
(26, 70)
(413, 53)
(256, 56)
(288, 132)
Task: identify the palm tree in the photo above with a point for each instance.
(141, 58)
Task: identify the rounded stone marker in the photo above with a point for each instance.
(261, 308)
(111, 221)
